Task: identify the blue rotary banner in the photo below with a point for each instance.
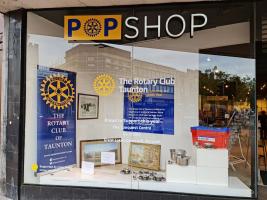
(56, 118)
(149, 107)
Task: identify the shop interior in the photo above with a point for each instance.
(262, 90)
(213, 88)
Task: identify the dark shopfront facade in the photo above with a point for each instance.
(69, 80)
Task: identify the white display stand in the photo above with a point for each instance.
(211, 169)
(212, 176)
(212, 157)
(212, 166)
(181, 174)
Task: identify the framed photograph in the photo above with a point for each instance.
(90, 150)
(88, 106)
(145, 156)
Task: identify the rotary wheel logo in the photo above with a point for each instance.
(92, 27)
(135, 96)
(104, 84)
(57, 91)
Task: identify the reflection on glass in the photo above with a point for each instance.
(227, 99)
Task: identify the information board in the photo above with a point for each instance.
(56, 124)
(149, 108)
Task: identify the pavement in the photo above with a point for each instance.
(262, 192)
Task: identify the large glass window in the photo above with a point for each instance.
(149, 113)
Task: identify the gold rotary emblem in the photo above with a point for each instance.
(57, 91)
(104, 85)
(134, 96)
(92, 27)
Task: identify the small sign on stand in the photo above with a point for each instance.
(88, 168)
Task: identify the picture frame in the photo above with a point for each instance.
(145, 156)
(90, 150)
(88, 106)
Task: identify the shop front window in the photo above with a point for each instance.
(147, 112)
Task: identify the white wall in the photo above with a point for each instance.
(111, 107)
(36, 25)
(40, 26)
(216, 37)
(3, 97)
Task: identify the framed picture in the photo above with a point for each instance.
(145, 156)
(88, 106)
(90, 150)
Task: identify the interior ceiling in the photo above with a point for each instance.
(9, 5)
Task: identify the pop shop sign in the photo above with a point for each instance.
(109, 27)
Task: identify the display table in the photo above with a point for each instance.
(110, 177)
(105, 176)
